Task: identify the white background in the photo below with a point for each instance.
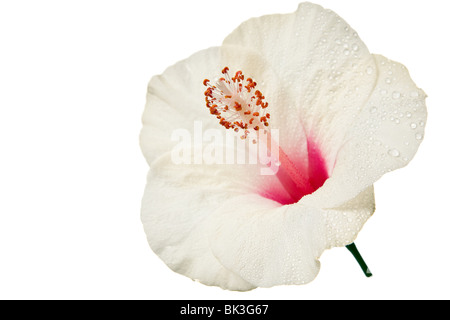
(73, 77)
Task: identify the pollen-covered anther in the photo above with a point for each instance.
(237, 103)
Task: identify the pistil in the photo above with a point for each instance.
(239, 106)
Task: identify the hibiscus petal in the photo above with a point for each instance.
(385, 136)
(175, 100)
(178, 210)
(281, 246)
(324, 67)
(177, 203)
(344, 222)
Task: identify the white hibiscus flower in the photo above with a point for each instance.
(337, 110)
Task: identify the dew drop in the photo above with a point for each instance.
(395, 94)
(419, 136)
(346, 52)
(421, 123)
(369, 70)
(373, 110)
(408, 114)
(388, 80)
(394, 152)
(355, 47)
(413, 125)
(414, 94)
(377, 142)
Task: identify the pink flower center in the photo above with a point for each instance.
(296, 179)
(238, 105)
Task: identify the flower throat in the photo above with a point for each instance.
(239, 106)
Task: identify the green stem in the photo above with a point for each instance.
(352, 248)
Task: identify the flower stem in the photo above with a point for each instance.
(352, 248)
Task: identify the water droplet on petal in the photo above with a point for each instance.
(413, 125)
(373, 110)
(355, 47)
(346, 52)
(396, 95)
(394, 152)
(414, 94)
(408, 114)
(419, 136)
(388, 80)
(369, 70)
